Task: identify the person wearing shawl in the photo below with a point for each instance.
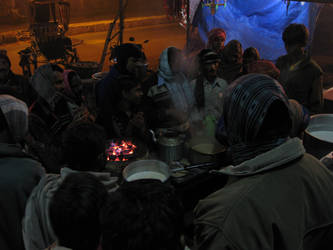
(172, 96)
(20, 173)
(277, 196)
(84, 152)
(49, 116)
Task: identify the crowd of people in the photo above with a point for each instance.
(56, 194)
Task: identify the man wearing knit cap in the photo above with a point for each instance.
(11, 83)
(19, 173)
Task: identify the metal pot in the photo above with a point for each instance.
(171, 146)
(147, 169)
(318, 137)
(213, 150)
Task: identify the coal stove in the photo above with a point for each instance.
(121, 152)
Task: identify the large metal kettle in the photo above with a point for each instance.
(171, 146)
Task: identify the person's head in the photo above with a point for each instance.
(46, 80)
(175, 59)
(72, 84)
(14, 119)
(209, 63)
(75, 211)
(256, 115)
(143, 215)
(233, 52)
(250, 55)
(4, 66)
(131, 60)
(216, 39)
(84, 146)
(129, 88)
(295, 36)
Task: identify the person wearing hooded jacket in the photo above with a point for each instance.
(277, 196)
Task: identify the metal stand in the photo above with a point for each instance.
(188, 24)
(109, 38)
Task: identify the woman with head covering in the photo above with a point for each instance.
(172, 95)
(277, 196)
(72, 91)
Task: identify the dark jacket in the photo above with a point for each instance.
(103, 88)
(19, 175)
(279, 200)
(302, 81)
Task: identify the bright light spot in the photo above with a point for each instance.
(302, 3)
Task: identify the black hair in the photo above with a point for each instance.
(57, 68)
(83, 146)
(75, 211)
(123, 52)
(71, 75)
(231, 50)
(143, 215)
(250, 54)
(295, 34)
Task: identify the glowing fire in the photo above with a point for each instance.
(120, 151)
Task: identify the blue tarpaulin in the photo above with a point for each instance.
(257, 23)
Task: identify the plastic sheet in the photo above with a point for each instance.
(257, 23)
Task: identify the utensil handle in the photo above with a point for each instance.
(194, 166)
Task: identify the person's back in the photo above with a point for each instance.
(75, 212)
(276, 195)
(271, 210)
(84, 151)
(19, 172)
(143, 215)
